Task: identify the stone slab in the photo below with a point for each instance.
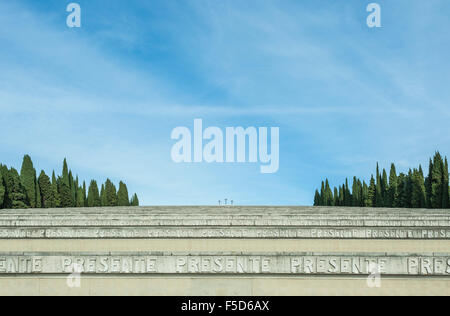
(188, 216)
(224, 232)
(293, 264)
(198, 285)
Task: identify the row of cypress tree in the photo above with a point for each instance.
(411, 190)
(26, 190)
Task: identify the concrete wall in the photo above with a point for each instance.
(199, 285)
(418, 233)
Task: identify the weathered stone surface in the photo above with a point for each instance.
(227, 263)
(206, 263)
(224, 232)
(211, 221)
(225, 222)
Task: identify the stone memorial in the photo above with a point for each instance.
(223, 244)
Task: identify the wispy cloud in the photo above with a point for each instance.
(107, 95)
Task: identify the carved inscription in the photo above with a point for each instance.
(293, 264)
(223, 232)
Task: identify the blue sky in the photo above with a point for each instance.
(107, 95)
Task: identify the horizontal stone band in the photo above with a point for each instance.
(220, 222)
(223, 232)
(227, 263)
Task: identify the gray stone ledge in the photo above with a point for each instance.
(298, 222)
(213, 263)
(223, 232)
(202, 210)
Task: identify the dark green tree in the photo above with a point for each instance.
(347, 194)
(336, 197)
(428, 182)
(17, 194)
(28, 178)
(401, 181)
(384, 188)
(73, 189)
(316, 198)
(341, 198)
(103, 195)
(110, 193)
(437, 177)
(371, 193)
(379, 201)
(445, 185)
(356, 192)
(122, 195)
(2, 188)
(38, 195)
(365, 194)
(80, 198)
(84, 194)
(322, 195)
(134, 200)
(93, 199)
(65, 174)
(65, 195)
(46, 190)
(418, 190)
(56, 198)
(328, 198)
(392, 200)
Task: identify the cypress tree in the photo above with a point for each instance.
(93, 199)
(17, 193)
(122, 195)
(408, 186)
(102, 195)
(316, 198)
(64, 194)
(422, 188)
(322, 195)
(365, 194)
(445, 185)
(56, 198)
(384, 188)
(436, 181)
(378, 202)
(360, 202)
(356, 192)
(65, 173)
(392, 200)
(341, 195)
(371, 193)
(28, 178)
(38, 194)
(64, 186)
(401, 190)
(134, 200)
(348, 195)
(2, 188)
(428, 183)
(336, 197)
(72, 188)
(110, 194)
(5, 175)
(80, 198)
(46, 190)
(418, 190)
(84, 194)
